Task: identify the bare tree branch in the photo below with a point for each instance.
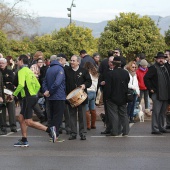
(12, 19)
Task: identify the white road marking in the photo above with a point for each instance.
(130, 136)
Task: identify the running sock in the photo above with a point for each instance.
(24, 139)
(48, 130)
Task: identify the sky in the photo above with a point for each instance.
(94, 10)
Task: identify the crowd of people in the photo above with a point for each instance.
(52, 80)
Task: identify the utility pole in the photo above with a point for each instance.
(70, 9)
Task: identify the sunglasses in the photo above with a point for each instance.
(116, 52)
(133, 67)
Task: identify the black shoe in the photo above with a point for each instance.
(105, 132)
(156, 133)
(2, 132)
(72, 138)
(67, 132)
(60, 131)
(132, 121)
(6, 125)
(83, 137)
(167, 127)
(125, 135)
(110, 134)
(13, 130)
(113, 135)
(163, 131)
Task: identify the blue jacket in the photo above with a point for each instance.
(54, 81)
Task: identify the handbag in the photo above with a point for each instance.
(130, 95)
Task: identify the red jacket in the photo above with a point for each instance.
(140, 75)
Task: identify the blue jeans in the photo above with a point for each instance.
(91, 100)
(131, 107)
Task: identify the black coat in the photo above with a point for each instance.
(104, 66)
(8, 78)
(76, 78)
(103, 77)
(116, 86)
(151, 80)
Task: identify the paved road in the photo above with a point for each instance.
(139, 151)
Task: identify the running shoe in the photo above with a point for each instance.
(20, 143)
(53, 133)
(57, 140)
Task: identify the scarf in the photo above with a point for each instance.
(163, 81)
(143, 69)
(132, 73)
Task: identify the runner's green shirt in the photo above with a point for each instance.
(26, 78)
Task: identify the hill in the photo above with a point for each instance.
(46, 25)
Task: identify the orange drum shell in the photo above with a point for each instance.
(78, 98)
(8, 94)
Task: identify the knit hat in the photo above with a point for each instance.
(143, 62)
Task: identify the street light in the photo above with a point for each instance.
(69, 9)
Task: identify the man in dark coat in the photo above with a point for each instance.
(8, 77)
(116, 90)
(86, 58)
(167, 65)
(102, 79)
(77, 77)
(157, 81)
(2, 130)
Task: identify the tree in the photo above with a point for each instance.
(132, 34)
(167, 37)
(71, 39)
(12, 19)
(45, 44)
(3, 44)
(18, 47)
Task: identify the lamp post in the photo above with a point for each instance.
(69, 9)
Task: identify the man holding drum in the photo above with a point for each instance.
(77, 77)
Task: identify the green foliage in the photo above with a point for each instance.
(71, 39)
(45, 44)
(21, 47)
(132, 34)
(3, 44)
(167, 38)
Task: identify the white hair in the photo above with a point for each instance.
(3, 59)
(53, 57)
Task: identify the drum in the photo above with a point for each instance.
(8, 95)
(76, 97)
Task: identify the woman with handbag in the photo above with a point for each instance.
(133, 84)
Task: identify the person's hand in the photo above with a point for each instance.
(83, 86)
(1, 100)
(102, 83)
(47, 94)
(152, 91)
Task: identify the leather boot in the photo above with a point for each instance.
(88, 120)
(93, 119)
